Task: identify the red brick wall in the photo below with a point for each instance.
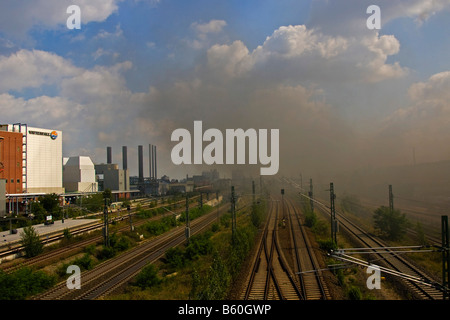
(11, 157)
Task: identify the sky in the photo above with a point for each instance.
(342, 95)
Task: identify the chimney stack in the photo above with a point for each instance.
(108, 155)
(141, 164)
(155, 175)
(124, 158)
(150, 161)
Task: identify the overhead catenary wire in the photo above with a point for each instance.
(406, 276)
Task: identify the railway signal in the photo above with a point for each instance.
(188, 224)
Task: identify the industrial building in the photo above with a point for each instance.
(109, 176)
(41, 159)
(79, 175)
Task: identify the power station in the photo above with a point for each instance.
(32, 164)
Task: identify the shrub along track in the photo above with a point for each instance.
(388, 259)
(73, 248)
(113, 273)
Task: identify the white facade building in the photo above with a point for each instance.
(43, 161)
(79, 175)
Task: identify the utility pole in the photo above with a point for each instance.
(310, 194)
(333, 221)
(233, 213)
(445, 258)
(391, 200)
(260, 185)
(129, 217)
(201, 200)
(106, 223)
(188, 224)
(253, 191)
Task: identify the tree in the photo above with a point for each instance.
(391, 224)
(107, 194)
(31, 242)
(50, 202)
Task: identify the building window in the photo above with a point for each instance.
(18, 180)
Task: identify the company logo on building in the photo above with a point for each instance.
(53, 135)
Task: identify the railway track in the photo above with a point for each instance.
(270, 277)
(306, 264)
(113, 273)
(78, 246)
(427, 290)
(395, 262)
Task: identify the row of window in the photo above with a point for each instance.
(12, 180)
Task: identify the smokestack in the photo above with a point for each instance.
(141, 164)
(124, 158)
(153, 161)
(150, 160)
(154, 167)
(125, 165)
(108, 155)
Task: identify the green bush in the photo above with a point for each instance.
(120, 243)
(31, 242)
(195, 213)
(199, 245)
(148, 277)
(310, 219)
(320, 228)
(156, 228)
(214, 285)
(85, 263)
(327, 245)
(354, 293)
(391, 224)
(23, 283)
(90, 249)
(67, 235)
(105, 253)
(257, 214)
(176, 257)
